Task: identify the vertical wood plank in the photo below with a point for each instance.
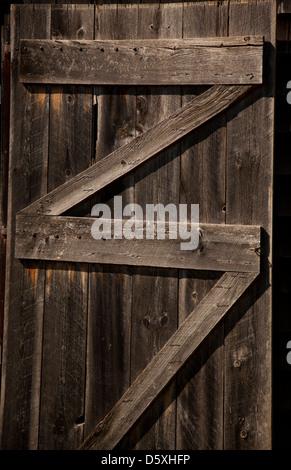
(200, 421)
(155, 291)
(248, 396)
(64, 357)
(108, 351)
(109, 323)
(65, 319)
(23, 320)
(281, 263)
(116, 104)
(4, 163)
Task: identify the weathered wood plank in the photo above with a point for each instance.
(4, 163)
(110, 287)
(65, 312)
(165, 365)
(248, 340)
(139, 150)
(221, 247)
(143, 62)
(108, 346)
(155, 316)
(23, 319)
(200, 421)
(64, 357)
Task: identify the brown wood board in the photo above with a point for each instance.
(105, 325)
(165, 365)
(143, 62)
(249, 199)
(138, 150)
(24, 299)
(66, 284)
(220, 247)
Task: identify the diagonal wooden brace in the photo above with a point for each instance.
(139, 150)
(167, 363)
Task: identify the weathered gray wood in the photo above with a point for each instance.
(246, 424)
(110, 287)
(143, 62)
(109, 340)
(165, 365)
(200, 422)
(4, 151)
(23, 320)
(221, 247)
(248, 340)
(155, 317)
(139, 150)
(66, 292)
(64, 356)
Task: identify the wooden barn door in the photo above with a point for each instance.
(136, 344)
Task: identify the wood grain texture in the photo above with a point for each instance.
(155, 319)
(220, 248)
(142, 62)
(5, 131)
(248, 366)
(64, 356)
(200, 420)
(65, 317)
(64, 371)
(23, 321)
(110, 287)
(165, 365)
(138, 150)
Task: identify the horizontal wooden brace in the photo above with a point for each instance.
(139, 150)
(168, 361)
(224, 60)
(59, 238)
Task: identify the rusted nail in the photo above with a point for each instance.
(237, 363)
